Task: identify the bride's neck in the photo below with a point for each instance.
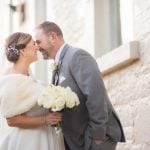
(21, 68)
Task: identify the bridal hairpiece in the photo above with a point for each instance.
(14, 50)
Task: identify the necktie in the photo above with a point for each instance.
(55, 75)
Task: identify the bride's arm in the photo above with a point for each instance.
(23, 121)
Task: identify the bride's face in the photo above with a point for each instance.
(30, 51)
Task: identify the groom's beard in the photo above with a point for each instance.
(45, 57)
(44, 54)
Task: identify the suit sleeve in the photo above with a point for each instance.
(87, 75)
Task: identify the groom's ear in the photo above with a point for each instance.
(53, 36)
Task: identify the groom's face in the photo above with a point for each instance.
(44, 43)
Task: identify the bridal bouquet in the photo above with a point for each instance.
(57, 98)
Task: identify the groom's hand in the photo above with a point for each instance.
(53, 118)
(98, 142)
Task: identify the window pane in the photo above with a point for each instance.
(107, 26)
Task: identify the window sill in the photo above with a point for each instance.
(119, 57)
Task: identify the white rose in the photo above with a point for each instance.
(71, 98)
(59, 104)
(57, 97)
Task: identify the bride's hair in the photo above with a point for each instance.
(14, 43)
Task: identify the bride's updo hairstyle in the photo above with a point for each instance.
(14, 43)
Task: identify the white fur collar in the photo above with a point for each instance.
(18, 94)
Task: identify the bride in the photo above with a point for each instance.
(30, 124)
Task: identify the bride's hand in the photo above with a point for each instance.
(53, 118)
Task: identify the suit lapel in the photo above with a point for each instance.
(55, 77)
(63, 53)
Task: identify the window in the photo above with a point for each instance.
(107, 26)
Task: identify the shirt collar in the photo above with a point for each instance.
(59, 53)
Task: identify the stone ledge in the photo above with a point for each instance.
(119, 57)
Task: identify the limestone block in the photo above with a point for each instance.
(128, 85)
(142, 121)
(128, 133)
(145, 147)
(126, 115)
(128, 146)
(141, 15)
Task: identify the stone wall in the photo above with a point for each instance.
(129, 88)
(129, 91)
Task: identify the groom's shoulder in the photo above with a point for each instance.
(77, 51)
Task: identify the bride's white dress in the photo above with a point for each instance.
(41, 138)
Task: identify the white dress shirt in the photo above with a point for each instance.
(59, 53)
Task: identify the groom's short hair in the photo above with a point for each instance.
(49, 27)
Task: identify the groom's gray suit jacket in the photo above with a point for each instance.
(95, 117)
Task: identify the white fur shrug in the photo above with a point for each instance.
(18, 94)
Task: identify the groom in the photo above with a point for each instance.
(94, 125)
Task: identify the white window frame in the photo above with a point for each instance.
(126, 53)
(119, 57)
